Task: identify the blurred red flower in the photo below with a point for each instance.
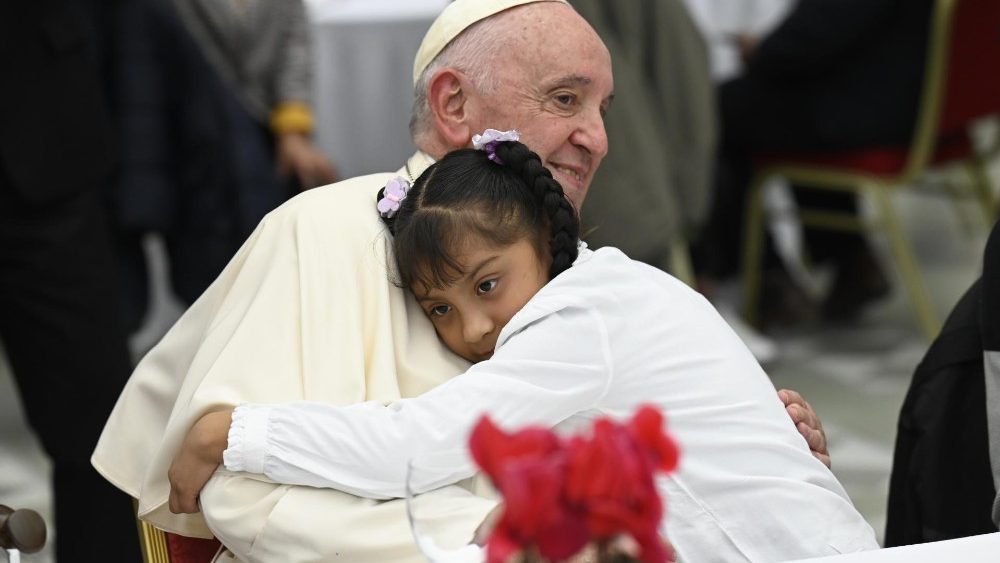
(646, 427)
(527, 469)
(561, 495)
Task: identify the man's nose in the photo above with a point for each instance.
(477, 326)
(591, 134)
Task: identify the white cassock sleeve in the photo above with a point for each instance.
(554, 367)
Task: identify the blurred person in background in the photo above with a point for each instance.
(58, 304)
(834, 75)
(261, 50)
(213, 104)
(653, 189)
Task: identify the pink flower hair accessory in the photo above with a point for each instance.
(490, 139)
(393, 195)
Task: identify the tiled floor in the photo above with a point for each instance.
(855, 376)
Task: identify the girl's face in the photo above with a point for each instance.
(495, 283)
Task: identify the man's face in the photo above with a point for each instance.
(555, 84)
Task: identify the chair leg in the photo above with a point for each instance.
(680, 260)
(902, 251)
(957, 194)
(976, 169)
(152, 540)
(154, 544)
(753, 249)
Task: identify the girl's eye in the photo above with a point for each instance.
(486, 286)
(439, 310)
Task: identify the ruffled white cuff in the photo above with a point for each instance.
(247, 446)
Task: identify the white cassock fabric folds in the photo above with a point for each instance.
(304, 311)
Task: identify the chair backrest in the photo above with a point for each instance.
(961, 78)
(972, 83)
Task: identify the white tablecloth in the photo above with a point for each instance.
(363, 91)
(977, 549)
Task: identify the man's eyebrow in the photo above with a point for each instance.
(475, 271)
(571, 80)
(579, 80)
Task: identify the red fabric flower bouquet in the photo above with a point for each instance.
(561, 495)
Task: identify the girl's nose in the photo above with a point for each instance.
(476, 327)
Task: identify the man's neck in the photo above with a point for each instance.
(415, 166)
(435, 147)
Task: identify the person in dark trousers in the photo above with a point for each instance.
(58, 321)
(835, 75)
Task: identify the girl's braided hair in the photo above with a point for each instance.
(466, 195)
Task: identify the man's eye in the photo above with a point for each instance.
(486, 286)
(439, 310)
(565, 99)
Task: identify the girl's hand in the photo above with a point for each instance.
(197, 460)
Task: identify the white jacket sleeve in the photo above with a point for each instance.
(549, 370)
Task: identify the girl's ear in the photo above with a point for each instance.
(448, 96)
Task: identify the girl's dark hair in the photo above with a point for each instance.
(466, 195)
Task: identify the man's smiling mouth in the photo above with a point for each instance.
(568, 172)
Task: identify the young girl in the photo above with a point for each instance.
(560, 334)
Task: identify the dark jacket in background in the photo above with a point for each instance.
(196, 168)
(941, 486)
(942, 483)
(58, 317)
(55, 136)
(836, 74)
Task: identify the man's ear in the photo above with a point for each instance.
(448, 97)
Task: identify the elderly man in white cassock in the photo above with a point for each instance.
(307, 311)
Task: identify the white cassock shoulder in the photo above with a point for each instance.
(304, 311)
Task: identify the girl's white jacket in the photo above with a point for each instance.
(604, 337)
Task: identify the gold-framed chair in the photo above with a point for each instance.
(159, 546)
(961, 84)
